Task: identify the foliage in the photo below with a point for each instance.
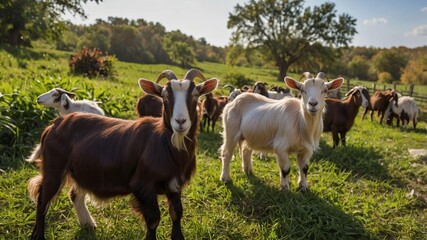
(415, 72)
(385, 77)
(238, 80)
(358, 67)
(142, 42)
(22, 21)
(92, 63)
(391, 61)
(286, 31)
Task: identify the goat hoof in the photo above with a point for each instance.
(225, 179)
(302, 189)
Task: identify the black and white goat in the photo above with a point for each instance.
(406, 110)
(261, 88)
(289, 125)
(63, 101)
(110, 157)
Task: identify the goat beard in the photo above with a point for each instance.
(178, 141)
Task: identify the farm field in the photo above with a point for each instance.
(361, 191)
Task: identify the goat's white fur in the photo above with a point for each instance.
(283, 126)
(406, 104)
(234, 94)
(277, 95)
(66, 105)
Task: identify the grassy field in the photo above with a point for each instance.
(360, 191)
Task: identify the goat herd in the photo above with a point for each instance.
(156, 153)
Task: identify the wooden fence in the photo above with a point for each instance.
(419, 93)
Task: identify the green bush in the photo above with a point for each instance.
(238, 80)
(92, 63)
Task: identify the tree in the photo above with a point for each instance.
(392, 61)
(24, 20)
(359, 67)
(287, 31)
(415, 71)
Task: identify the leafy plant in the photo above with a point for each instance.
(92, 63)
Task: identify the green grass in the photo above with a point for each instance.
(356, 192)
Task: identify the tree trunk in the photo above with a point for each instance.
(283, 69)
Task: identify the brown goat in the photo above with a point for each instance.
(109, 157)
(379, 102)
(339, 116)
(212, 110)
(149, 105)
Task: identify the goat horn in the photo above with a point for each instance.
(230, 87)
(322, 75)
(306, 75)
(192, 73)
(166, 74)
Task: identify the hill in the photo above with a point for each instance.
(361, 191)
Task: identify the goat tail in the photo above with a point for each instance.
(36, 155)
(34, 185)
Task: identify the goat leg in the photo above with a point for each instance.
(175, 212)
(149, 207)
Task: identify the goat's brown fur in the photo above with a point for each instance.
(110, 157)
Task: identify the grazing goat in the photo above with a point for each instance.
(406, 111)
(379, 102)
(339, 115)
(281, 90)
(109, 157)
(64, 102)
(289, 125)
(233, 92)
(260, 88)
(212, 110)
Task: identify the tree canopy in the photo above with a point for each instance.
(24, 20)
(287, 31)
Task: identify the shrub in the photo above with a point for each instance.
(385, 77)
(92, 63)
(238, 80)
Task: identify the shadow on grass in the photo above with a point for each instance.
(293, 215)
(363, 162)
(209, 143)
(86, 233)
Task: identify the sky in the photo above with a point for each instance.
(380, 23)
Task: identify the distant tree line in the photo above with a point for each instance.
(282, 34)
(141, 42)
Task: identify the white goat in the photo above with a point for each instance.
(406, 111)
(289, 125)
(64, 102)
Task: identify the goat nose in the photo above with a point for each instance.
(313, 103)
(181, 121)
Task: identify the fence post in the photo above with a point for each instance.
(374, 85)
(394, 86)
(411, 89)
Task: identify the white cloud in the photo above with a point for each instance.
(424, 9)
(420, 31)
(375, 21)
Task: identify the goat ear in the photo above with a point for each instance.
(334, 84)
(64, 101)
(292, 83)
(62, 91)
(207, 86)
(150, 87)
